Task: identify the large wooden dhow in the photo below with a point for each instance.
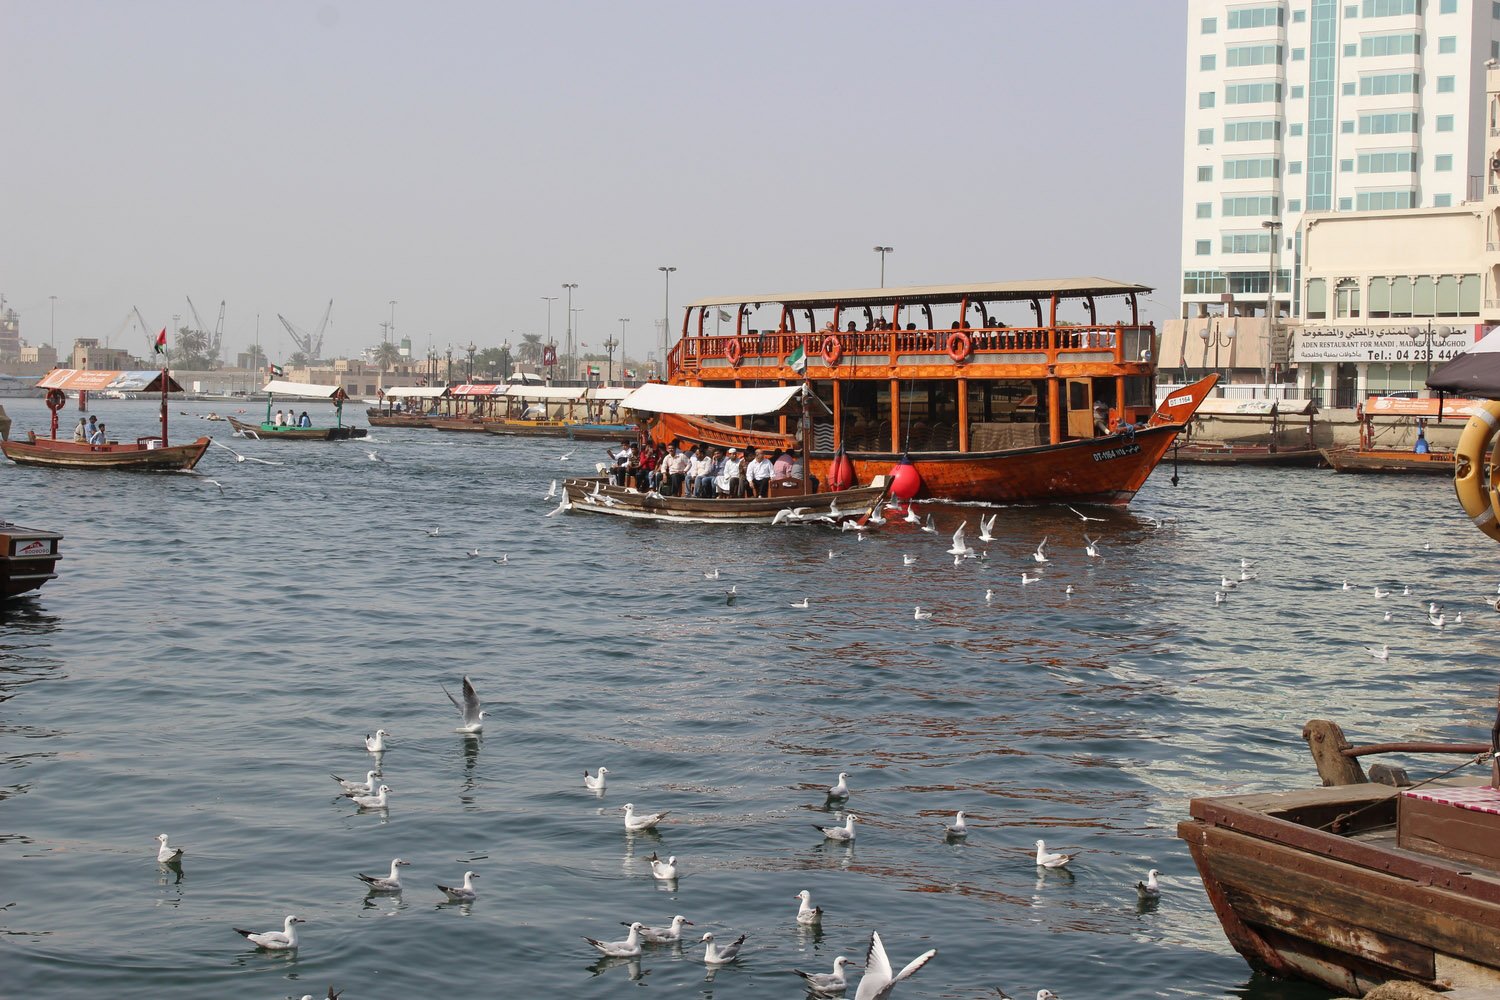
(1357, 883)
(1000, 392)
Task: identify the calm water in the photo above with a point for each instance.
(207, 658)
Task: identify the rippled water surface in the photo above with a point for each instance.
(211, 653)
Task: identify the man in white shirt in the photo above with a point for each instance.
(729, 482)
(760, 475)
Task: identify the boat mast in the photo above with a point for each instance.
(165, 379)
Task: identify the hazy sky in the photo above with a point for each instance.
(466, 159)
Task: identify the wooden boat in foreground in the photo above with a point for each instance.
(988, 390)
(266, 430)
(596, 496)
(150, 453)
(1357, 883)
(28, 558)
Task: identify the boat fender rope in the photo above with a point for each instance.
(960, 346)
(1468, 474)
(56, 399)
(833, 350)
(734, 351)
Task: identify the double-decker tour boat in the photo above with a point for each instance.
(1012, 392)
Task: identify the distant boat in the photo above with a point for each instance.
(268, 430)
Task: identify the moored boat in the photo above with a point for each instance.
(150, 453)
(1010, 402)
(406, 406)
(28, 558)
(1269, 441)
(1351, 459)
(268, 430)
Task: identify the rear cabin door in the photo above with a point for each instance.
(1080, 400)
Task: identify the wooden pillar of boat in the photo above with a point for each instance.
(165, 380)
(1120, 378)
(838, 414)
(1055, 415)
(806, 421)
(963, 413)
(739, 421)
(781, 417)
(896, 416)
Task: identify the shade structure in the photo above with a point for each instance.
(701, 401)
(1475, 372)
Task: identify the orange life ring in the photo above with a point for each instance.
(56, 399)
(960, 345)
(833, 350)
(734, 351)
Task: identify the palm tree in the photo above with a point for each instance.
(387, 356)
(531, 348)
(300, 359)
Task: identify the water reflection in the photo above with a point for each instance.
(632, 967)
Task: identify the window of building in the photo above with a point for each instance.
(1346, 204)
(1384, 201)
(1346, 299)
(1298, 16)
(1202, 248)
(1250, 242)
(1403, 44)
(1352, 10)
(1315, 305)
(1252, 130)
(1253, 55)
(1295, 167)
(1442, 201)
(1205, 137)
(1377, 84)
(1298, 55)
(1208, 25)
(1388, 123)
(1207, 62)
(1391, 8)
(1346, 89)
(1495, 50)
(1447, 6)
(1249, 168)
(1445, 123)
(1252, 93)
(1257, 17)
(1294, 205)
(1205, 173)
(1351, 49)
(1447, 45)
(1346, 127)
(1206, 99)
(1445, 85)
(1495, 11)
(1402, 162)
(1346, 166)
(1258, 205)
(1295, 129)
(1205, 210)
(1443, 162)
(1296, 92)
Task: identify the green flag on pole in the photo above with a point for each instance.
(797, 361)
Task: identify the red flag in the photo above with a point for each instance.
(161, 341)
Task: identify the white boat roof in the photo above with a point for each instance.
(276, 387)
(415, 391)
(693, 400)
(551, 393)
(987, 291)
(1251, 407)
(609, 392)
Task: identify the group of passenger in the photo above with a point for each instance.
(290, 419)
(684, 470)
(90, 431)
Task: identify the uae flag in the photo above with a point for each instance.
(797, 361)
(276, 371)
(161, 341)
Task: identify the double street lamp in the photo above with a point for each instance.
(1273, 226)
(1218, 338)
(1423, 336)
(883, 251)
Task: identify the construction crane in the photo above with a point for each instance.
(310, 344)
(218, 342)
(212, 341)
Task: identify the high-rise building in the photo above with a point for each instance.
(1321, 106)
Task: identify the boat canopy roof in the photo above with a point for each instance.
(1263, 407)
(1397, 406)
(990, 291)
(693, 400)
(414, 391)
(276, 387)
(1475, 372)
(94, 380)
(607, 392)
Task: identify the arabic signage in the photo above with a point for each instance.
(1384, 344)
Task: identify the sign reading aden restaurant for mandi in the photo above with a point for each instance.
(1390, 344)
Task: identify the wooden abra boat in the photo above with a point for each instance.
(1407, 415)
(1267, 447)
(418, 402)
(151, 453)
(267, 430)
(597, 496)
(1357, 883)
(28, 558)
(988, 389)
(1248, 454)
(1437, 463)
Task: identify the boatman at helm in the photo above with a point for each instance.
(1421, 446)
(1101, 418)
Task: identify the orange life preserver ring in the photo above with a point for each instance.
(960, 345)
(833, 350)
(56, 399)
(734, 351)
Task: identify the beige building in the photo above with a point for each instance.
(39, 354)
(90, 356)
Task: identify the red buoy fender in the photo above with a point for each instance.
(906, 481)
(833, 350)
(735, 351)
(960, 346)
(841, 472)
(56, 399)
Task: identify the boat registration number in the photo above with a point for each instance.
(1117, 452)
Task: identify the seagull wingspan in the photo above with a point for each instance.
(915, 964)
(877, 965)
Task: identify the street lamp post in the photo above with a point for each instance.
(1211, 336)
(611, 344)
(52, 335)
(390, 329)
(666, 313)
(1419, 335)
(883, 251)
(470, 351)
(505, 360)
(1273, 226)
(570, 370)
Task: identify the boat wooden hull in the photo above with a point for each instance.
(28, 559)
(525, 428)
(270, 432)
(396, 419)
(1436, 463)
(1306, 458)
(460, 424)
(595, 496)
(602, 432)
(1346, 911)
(135, 456)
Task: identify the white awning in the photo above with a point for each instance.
(278, 388)
(607, 392)
(1254, 407)
(551, 393)
(654, 397)
(415, 391)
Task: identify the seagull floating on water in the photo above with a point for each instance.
(1383, 653)
(663, 935)
(634, 823)
(465, 893)
(714, 955)
(808, 914)
(1346, 586)
(1028, 578)
(595, 783)
(908, 560)
(878, 982)
(391, 883)
(376, 743)
(1068, 589)
(1218, 597)
(1387, 617)
(1227, 584)
(1406, 590)
(282, 940)
(1148, 889)
(1381, 593)
(1051, 859)
(920, 615)
(843, 834)
(629, 948)
(472, 553)
(164, 854)
(826, 983)
(663, 871)
(473, 718)
(376, 801)
(989, 595)
(800, 604)
(959, 829)
(840, 789)
(352, 788)
(712, 574)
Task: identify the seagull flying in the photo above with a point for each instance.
(465, 893)
(1083, 516)
(551, 491)
(634, 823)
(1040, 555)
(878, 983)
(164, 854)
(473, 718)
(564, 457)
(930, 527)
(911, 516)
(844, 834)
(987, 528)
(958, 548)
(282, 940)
(1092, 548)
(595, 782)
(391, 883)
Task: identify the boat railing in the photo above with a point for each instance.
(1125, 344)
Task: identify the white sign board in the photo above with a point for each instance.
(1313, 344)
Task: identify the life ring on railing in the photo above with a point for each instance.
(734, 351)
(833, 350)
(960, 346)
(1468, 474)
(56, 399)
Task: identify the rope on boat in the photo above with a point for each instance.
(1482, 758)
